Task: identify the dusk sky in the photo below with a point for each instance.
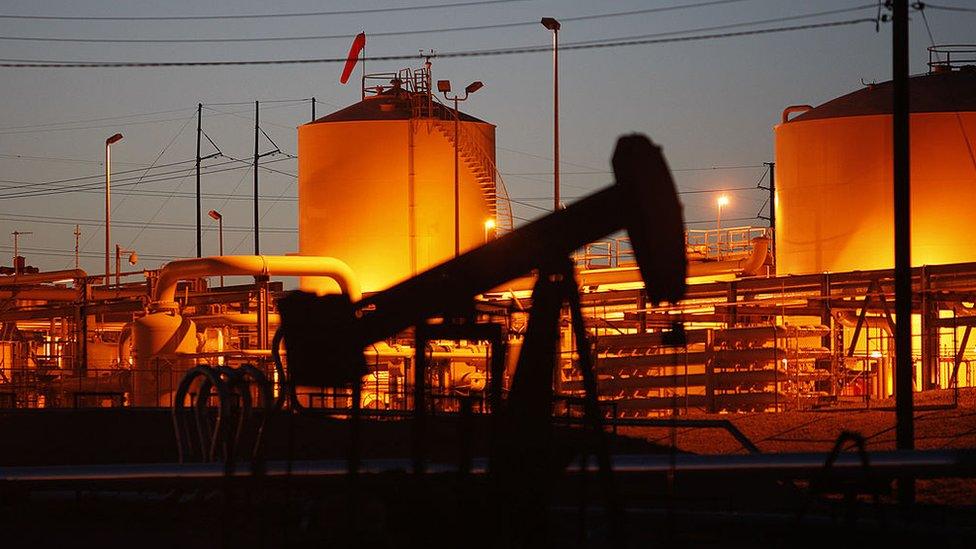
(709, 103)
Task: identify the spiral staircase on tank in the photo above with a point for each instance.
(428, 107)
(480, 163)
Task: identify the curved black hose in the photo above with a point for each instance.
(237, 385)
(267, 403)
(210, 379)
(287, 392)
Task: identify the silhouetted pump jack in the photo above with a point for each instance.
(324, 337)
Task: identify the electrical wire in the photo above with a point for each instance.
(920, 7)
(53, 126)
(255, 15)
(949, 8)
(87, 222)
(57, 252)
(727, 26)
(98, 185)
(346, 36)
(87, 120)
(26, 63)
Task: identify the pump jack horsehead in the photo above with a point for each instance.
(325, 336)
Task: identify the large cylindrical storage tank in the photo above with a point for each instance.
(156, 338)
(834, 191)
(376, 186)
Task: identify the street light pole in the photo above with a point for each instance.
(457, 185)
(108, 202)
(444, 86)
(554, 26)
(723, 200)
(215, 215)
(133, 259)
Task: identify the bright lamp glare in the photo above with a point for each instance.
(723, 200)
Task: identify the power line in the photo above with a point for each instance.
(346, 36)
(100, 119)
(86, 222)
(24, 63)
(25, 184)
(949, 8)
(55, 252)
(128, 182)
(97, 179)
(254, 15)
(62, 159)
(55, 126)
(729, 25)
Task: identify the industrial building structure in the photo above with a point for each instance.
(793, 318)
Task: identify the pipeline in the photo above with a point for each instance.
(53, 293)
(255, 265)
(40, 278)
(849, 319)
(919, 463)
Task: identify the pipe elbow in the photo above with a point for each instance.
(260, 265)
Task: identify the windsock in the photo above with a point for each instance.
(357, 46)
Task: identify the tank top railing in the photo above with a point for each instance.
(945, 57)
(710, 245)
(721, 243)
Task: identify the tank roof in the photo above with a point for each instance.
(390, 105)
(948, 91)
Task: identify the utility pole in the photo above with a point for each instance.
(257, 232)
(77, 236)
(17, 235)
(904, 367)
(313, 109)
(772, 204)
(199, 131)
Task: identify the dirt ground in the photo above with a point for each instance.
(941, 422)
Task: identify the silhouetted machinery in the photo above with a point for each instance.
(325, 336)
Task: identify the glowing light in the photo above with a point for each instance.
(723, 200)
(875, 354)
(489, 227)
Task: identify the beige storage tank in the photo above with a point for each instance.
(157, 337)
(376, 186)
(834, 178)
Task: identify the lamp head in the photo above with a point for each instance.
(473, 87)
(114, 139)
(444, 86)
(550, 23)
(215, 215)
(133, 258)
(723, 200)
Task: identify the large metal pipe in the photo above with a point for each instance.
(41, 278)
(849, 318)
(50, 293)
(255, 265)
(234, 319)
